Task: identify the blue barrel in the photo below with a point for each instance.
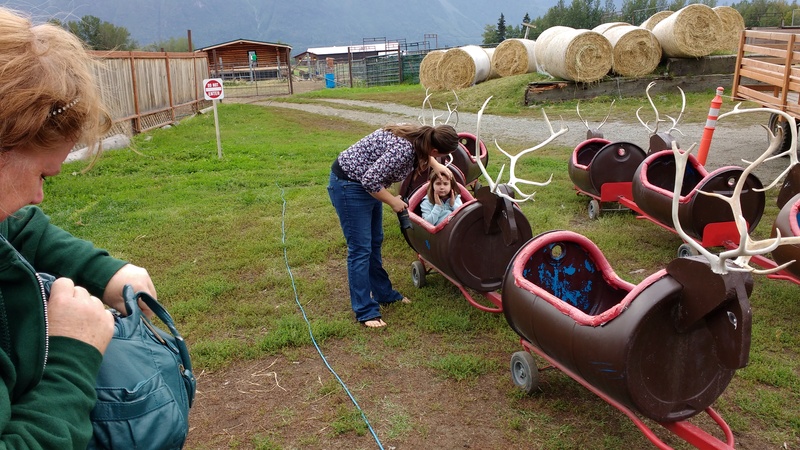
(330, 82)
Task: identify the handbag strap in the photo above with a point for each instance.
(163, 315)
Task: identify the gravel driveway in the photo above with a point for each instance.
(731, 142)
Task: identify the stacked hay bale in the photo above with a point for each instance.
(690, 32)
(605, 26)
(429, 72)
(463, 67)
(653, 20)
(637, 52)
(514, 57)
(573, 54)
(732, 26)
(492, 72)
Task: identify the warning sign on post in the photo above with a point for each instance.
(212, 88)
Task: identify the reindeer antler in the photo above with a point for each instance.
(747, 247)
(658, 118)
(513, 180)
(451, 111)
(594, 132)
(791, 151)
(675, 121)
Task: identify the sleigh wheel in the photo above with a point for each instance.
(686, 250)
(524, 372)
(594, 209)
(418, 274)
(776, 123)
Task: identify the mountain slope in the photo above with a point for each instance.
(315, 23)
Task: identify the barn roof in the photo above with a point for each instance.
(337, 50)
(243, 41)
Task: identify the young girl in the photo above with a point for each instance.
(442, 198)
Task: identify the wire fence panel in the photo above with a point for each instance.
(378, 70)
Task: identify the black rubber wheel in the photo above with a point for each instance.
(686, 250)
(524, 372)
(418, 274)
(777, 122)
(594, 209)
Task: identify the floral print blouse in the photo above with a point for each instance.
(378, 160)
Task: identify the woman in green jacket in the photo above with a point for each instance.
(50, 350)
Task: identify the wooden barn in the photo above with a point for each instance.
(244, 59)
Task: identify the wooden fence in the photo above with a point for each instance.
(146, 90)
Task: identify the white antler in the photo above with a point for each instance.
(451, 111)
(747, 247)
(594, 131)
(674, 126)
(513, 180)
(791, 151)
(658, 118)
(427, 101)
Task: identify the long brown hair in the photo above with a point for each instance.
(426, 138)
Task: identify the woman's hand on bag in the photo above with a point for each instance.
(138, 278)
(74, 313)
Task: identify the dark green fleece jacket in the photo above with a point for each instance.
(47, 389)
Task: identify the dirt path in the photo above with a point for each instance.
(732, 142)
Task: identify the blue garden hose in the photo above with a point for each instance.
(305, 317)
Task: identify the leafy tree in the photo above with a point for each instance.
(588, 14)
(170, 45)
(637, 11)
(489, 34)
(763, 13)
(101, 35)
(580, 14)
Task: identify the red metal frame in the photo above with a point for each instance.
(687, 431)
(493, 297)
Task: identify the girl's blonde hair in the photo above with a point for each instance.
(425, 139)
(432, 177)
(48, 90)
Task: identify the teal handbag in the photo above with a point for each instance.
(145, 386)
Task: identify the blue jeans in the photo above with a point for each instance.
(361, 218)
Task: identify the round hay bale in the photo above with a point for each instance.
(636, 50)
(605, 26)
(492, 73)
(573, 54)
(653, 20)
(428, 70)
(691, 32)
(463, 67)
(514, 57)
(732, 26)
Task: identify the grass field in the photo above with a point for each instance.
(237, 245)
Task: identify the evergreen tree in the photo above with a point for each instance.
(501, 28)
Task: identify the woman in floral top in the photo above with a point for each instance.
(358, 186)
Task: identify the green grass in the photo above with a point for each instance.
(213, 232)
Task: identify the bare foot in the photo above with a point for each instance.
(374, 323)
(405, 300)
